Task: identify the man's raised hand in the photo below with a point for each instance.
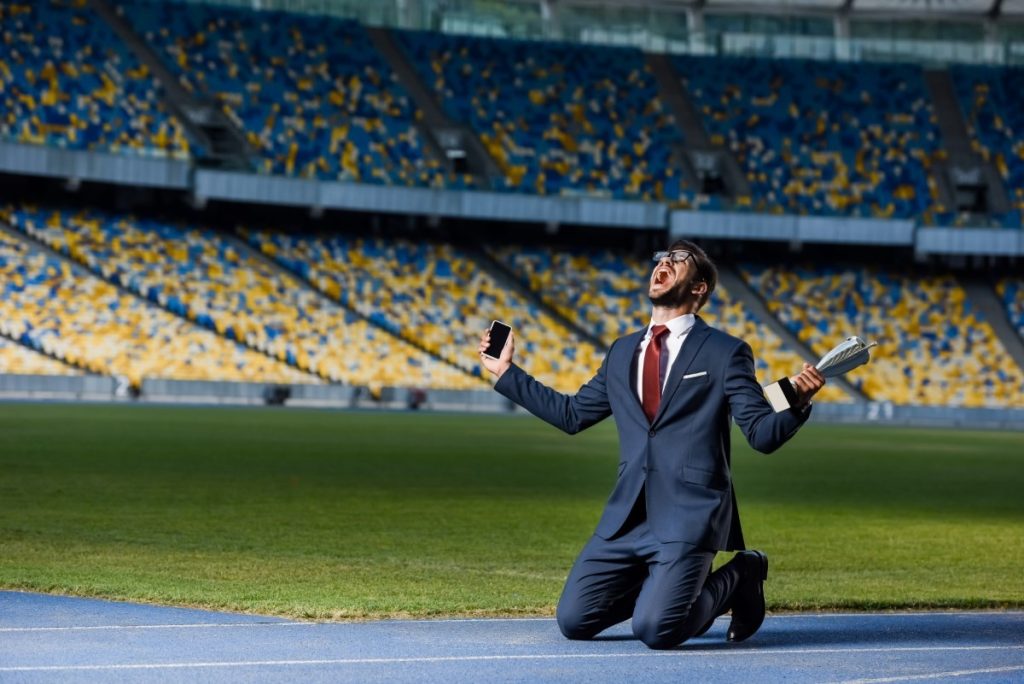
(807, 383)
(497, 367)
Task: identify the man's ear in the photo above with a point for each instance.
(699, 288)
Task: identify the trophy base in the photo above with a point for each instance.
(781, 395)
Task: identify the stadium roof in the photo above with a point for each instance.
(918, 7)
(958, 9)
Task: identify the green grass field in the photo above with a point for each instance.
(344, 515)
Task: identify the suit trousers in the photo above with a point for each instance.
(666, 587)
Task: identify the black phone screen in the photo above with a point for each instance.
(499, 336)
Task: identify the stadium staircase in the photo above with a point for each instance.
(965, 173)
(739, 289)
(456, 145)
(500, 272)
(699, 157)
(241, 244)
(981, 293)
(222, 143)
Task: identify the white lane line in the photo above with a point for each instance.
(429, 621)
(198, 625)
(770, 616)
(937, 675)
(204, 625)
(914, 613)
(478, 658)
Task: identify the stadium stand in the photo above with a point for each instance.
(598, 288)
(558, 118)
(605, 292)
(821, 138)
(772, 359)
(990, 99)
(935, 348)
(66, 80)
(436, 294)
(90, 324)
(316, 100)
(201, 275)
(1011, 291)
(312, 94)
(20, 360)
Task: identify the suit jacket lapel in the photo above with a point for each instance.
(694, 341)
(629, 346)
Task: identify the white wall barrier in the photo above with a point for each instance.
(887, 413)
(86, 387)
(321, 395)
(216, 392)
(103, 388)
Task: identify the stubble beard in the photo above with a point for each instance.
(674, 297)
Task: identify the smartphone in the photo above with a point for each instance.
(499, 336)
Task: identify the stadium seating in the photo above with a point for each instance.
(607, 293)
(66, 80)
(90, 324)
(990, 99)
(935, 348)
(436, 294)
(558, 118)
(1011, 291)
(601, 290)
(312, 94)
(17, 359)
(821, 138)
(206, 277)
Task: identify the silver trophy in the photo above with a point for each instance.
(843, 358)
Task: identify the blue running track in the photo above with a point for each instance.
(59, 639)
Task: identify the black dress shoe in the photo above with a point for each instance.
(739, 560)
(748, 602)
(704, 629)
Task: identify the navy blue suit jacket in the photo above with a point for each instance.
(683, 455)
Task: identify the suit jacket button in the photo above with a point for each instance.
(651, 433)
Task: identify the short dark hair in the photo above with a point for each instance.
(706, 270)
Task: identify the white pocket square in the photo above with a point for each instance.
(694, 375)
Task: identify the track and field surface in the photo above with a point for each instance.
(51, 639)
(333, 515)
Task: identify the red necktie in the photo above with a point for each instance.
(652, 372)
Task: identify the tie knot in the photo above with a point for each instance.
(658, 331)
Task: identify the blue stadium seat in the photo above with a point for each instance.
(68, 81)
(314, 97)
(558, 118)
(991, 101)
(821, 138)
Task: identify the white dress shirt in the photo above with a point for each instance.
(678, 328)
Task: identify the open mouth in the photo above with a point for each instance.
(662, 276)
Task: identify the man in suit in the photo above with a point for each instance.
(672, 389)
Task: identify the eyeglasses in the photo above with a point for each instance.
(677, 256)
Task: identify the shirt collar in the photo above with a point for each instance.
(677, 327)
